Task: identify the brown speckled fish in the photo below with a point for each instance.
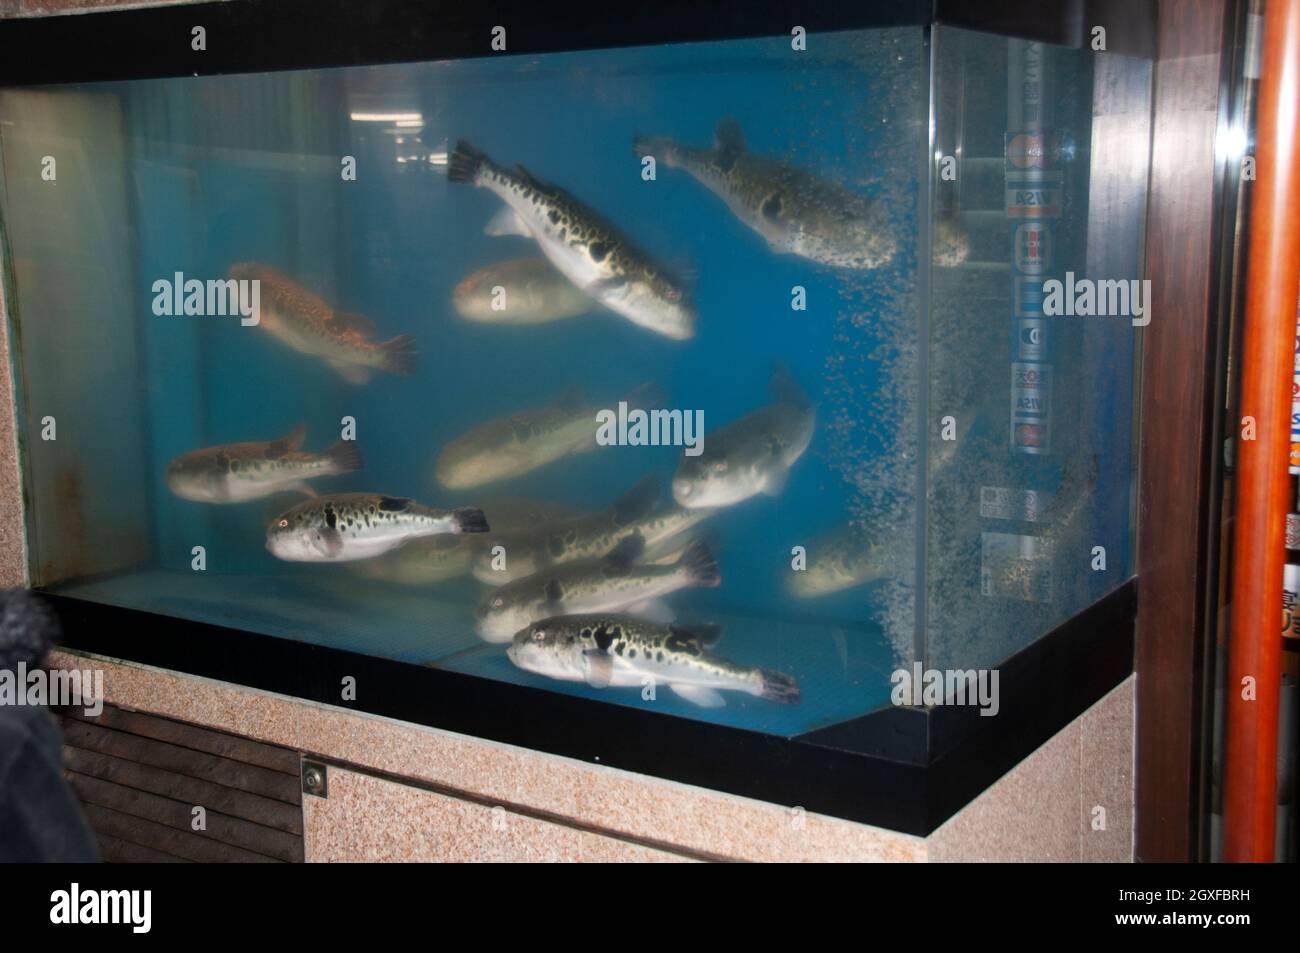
(306, 323)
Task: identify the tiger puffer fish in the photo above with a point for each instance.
(622, 651)
(842, 559)
(797, 212)
(306, 323)
(589, 251)
(435, 559)
(518, 443)
(596, 585)
(635, 513)
(349, 526)
(236, 472)
(519, 291)
(751, 455)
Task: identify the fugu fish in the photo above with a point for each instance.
(622, 651)
(590, 537)
(596, 585)
(349, 526)
(518, 443)
(236, 472)
(589, 251)
(798, 212)
(842, 559)
(751, 455)
(304, 322)
(434, 559)
(519, 291)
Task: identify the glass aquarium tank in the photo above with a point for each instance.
(742, 381)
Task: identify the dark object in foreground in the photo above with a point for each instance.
(39, 817)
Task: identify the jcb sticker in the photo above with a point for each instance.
(1033, 248)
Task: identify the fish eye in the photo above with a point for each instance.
(283, 524)
(720, 466)
(540, 635)
(498, 602)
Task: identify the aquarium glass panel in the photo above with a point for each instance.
(1036, 305)
(602, 372)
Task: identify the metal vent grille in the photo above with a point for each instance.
(140, 777)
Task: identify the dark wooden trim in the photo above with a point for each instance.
(1178, 478)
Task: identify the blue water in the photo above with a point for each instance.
(247, 168)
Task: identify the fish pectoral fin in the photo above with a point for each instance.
(653, 610)
(605, 286)
(598, 668)
(301, 486)
(506, 222)
(352, 373)
(622, 557)
(706, 634)
(774, 484)
(699, 695)
(329, 543)
(553, 604)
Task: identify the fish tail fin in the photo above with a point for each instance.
(700, 566)
(344, 456)
(464, 162)
(777, 687)
(399, 354)
(470, 520)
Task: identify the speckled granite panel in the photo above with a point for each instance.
(1041, 810)
(371, 819)
(649, 809)
(13, 546)
(1108, 779)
